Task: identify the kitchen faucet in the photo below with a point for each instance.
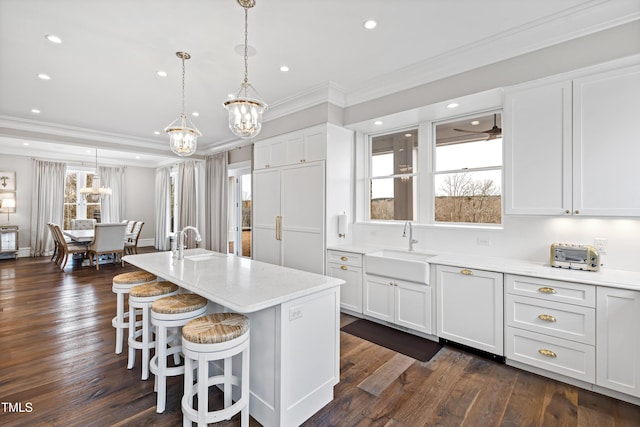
(404, 234)
(181, 235)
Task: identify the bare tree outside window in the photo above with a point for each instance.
(463, 199)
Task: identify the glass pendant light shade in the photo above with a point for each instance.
(183, 136)
(245, 112)
(95, 193)
(246, 107)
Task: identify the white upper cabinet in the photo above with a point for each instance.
(290, 149)
(606, 148)
(537, 134)
(571, 146)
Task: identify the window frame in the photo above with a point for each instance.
(80, 204)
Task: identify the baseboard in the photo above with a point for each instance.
(146, 242)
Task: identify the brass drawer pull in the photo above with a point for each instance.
(548, 353)
(343, 267)
(547, 290)
(546, 317)
(466, 272)
(344, 258)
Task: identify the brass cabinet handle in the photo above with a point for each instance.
(567, 211)
(576, 212)
(548, 353)
(343, 267)
(547, 290)
(278, 227)
(547, 318)
(466, 272)
(344, 258)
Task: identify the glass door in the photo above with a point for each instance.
(240, 212)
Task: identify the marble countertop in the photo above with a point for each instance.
(604, 277)
(240, 284)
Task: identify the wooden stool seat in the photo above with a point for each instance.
(168, 315)
(213, 338)
(121, 285)
(140, 333)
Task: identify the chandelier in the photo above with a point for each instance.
(183, 135)
(246, 107)
(95, 193)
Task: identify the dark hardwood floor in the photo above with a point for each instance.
(58, 368)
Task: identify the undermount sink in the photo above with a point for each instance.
(204, 257)
(398, 264)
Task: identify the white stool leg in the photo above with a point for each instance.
(203, 390)
(119, 321)
(146, 339)
(132, 331)
(161, 378)
(228, 373)
(244, 414)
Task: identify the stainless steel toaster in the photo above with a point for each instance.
(577, 257)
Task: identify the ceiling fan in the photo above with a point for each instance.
(494, 132)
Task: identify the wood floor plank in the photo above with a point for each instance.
(377, 382)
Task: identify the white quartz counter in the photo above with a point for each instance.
(604, 277)
(240, 284)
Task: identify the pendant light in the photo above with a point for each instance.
(95, 193)
(183, 135)
(246, 107)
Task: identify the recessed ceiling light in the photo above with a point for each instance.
(284, 68)
(156, 132)
(378, 122)
(231, 95)
(161, 73)
(369, 24)
(44, 76)
(26, 144)
(137, 157)
(35, 111)
(475, 123)
(453, 105)
(195, 114)
(408, 135)
(53, 38)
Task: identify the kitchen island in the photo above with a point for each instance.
(295, 325)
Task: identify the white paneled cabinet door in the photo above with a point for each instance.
(537, 147)
(379, 298)
(606, 108)
(303, 217)
(470, 307)
(413, 306)
(618, 340)
(266, 209)
(351, 289)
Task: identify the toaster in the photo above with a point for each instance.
(577, 257)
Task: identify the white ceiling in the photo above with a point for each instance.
(104, 91)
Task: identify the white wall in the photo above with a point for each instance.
(139, 197)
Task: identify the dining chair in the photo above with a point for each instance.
(131, 244)
(65, 249)
(130, 226)
(83, 224)
(107, 239)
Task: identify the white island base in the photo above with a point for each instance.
(294, 325)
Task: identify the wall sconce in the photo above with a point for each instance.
(8, 204)
(342, 225)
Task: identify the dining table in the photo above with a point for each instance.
(86, 236)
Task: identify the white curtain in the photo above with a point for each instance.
(47, 204)
(187, 200)
(163, 208)
(216, 189)
(112, 207)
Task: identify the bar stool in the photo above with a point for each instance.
(141, 297)
(167, 315)
(218, 336)
(121, 285)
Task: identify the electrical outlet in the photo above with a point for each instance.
(600, 244)
(295, 313)
(483, 241)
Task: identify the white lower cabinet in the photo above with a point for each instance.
(546, 331)
(348, 267)
(470, 307)
(404, 303)
(618, 344)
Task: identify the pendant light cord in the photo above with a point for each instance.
(183, 72)
(246, 45)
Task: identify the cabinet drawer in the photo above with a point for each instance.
(345, 258)
(564, 357)
(560, 320)
(551, 290)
